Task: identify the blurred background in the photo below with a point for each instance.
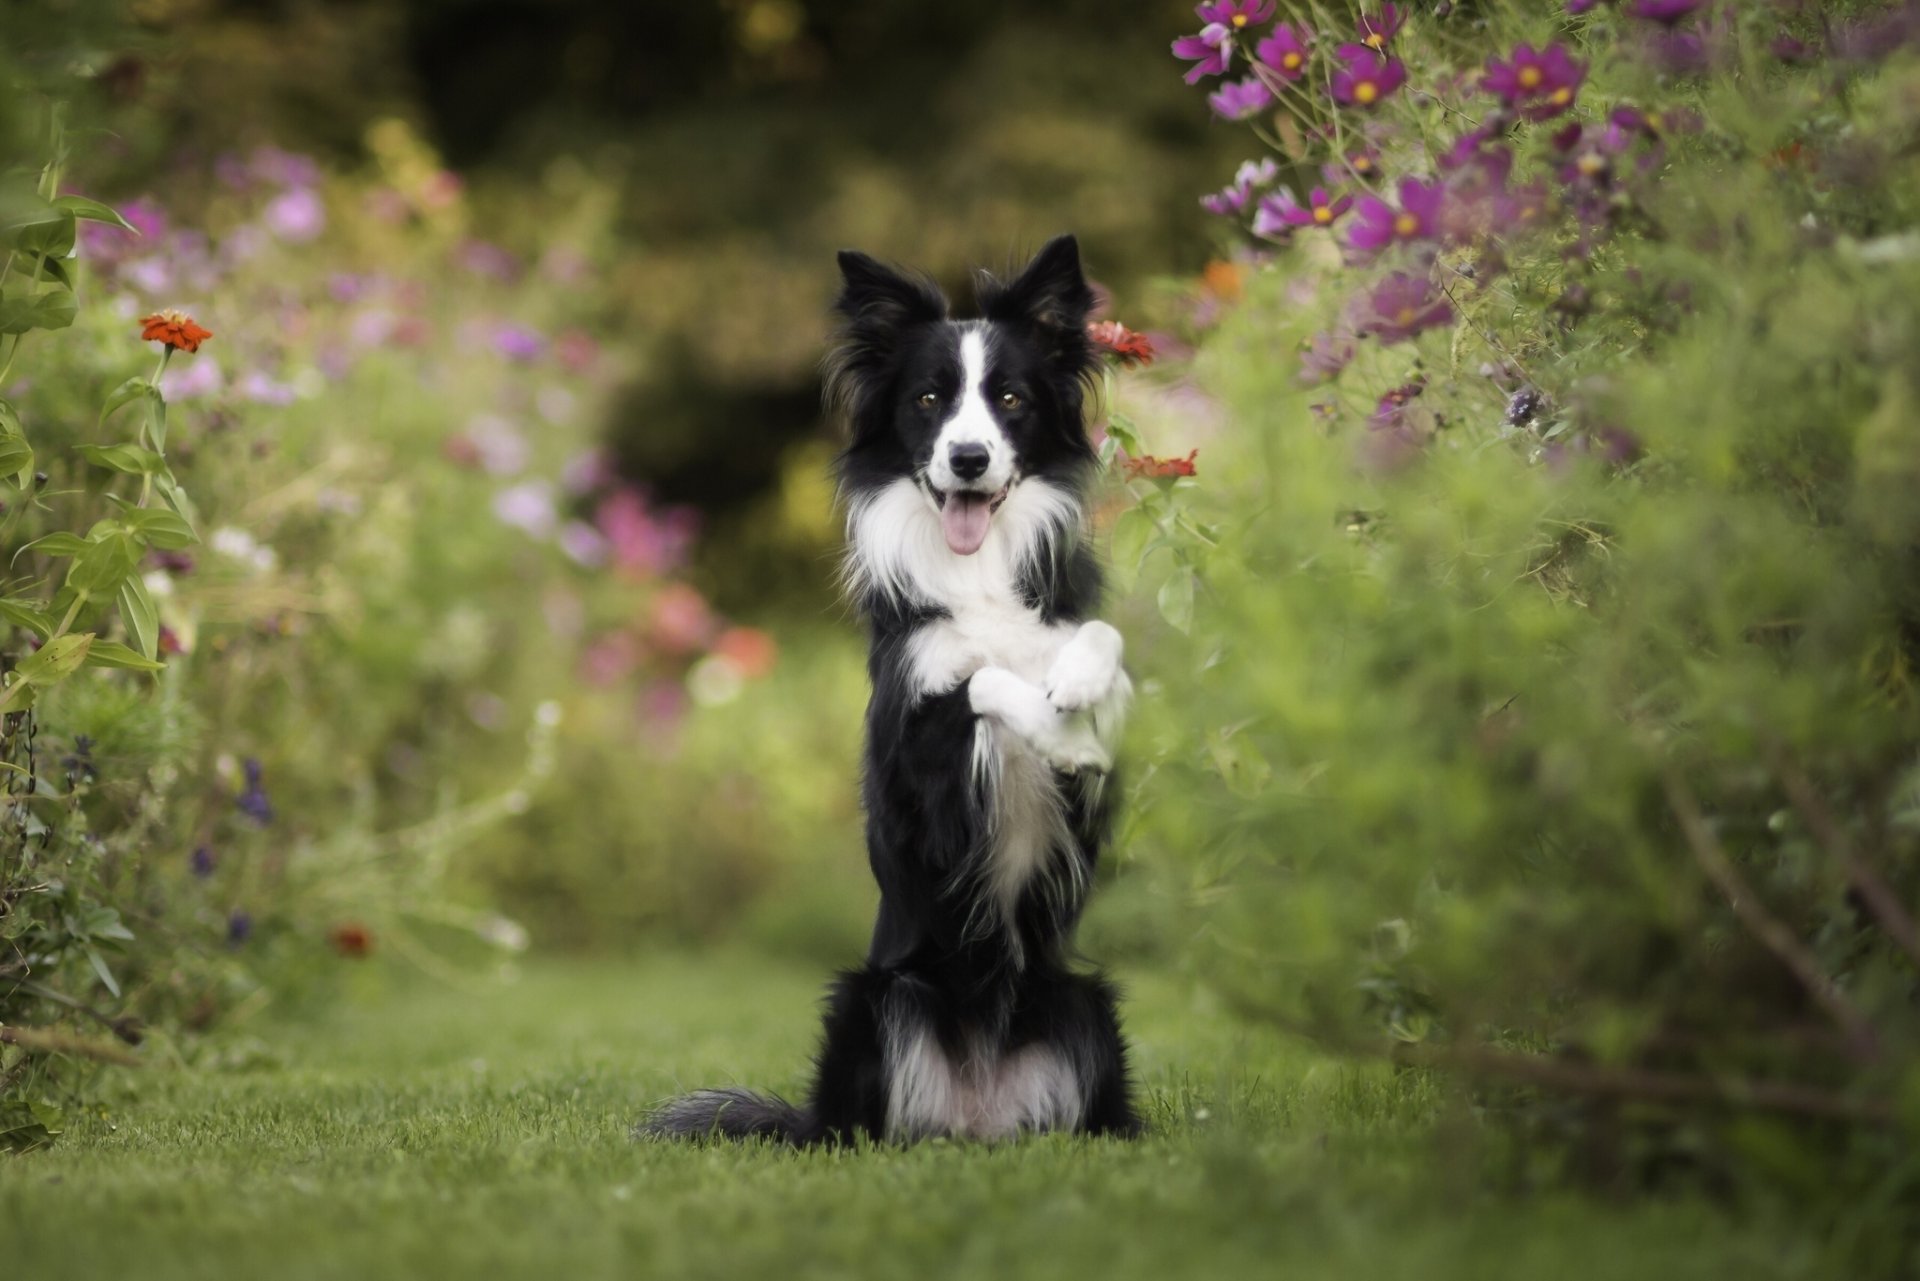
(513, 404)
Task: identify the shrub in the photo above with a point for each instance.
(1548, 715)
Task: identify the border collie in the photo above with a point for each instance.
(997, 700)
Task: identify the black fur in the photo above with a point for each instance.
(977, 982)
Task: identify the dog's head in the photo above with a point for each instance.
(969, 409)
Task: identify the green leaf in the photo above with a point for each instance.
(92, 211)
(1176, 599)
(127, 392)
(126, 458)
(1121, 428)
(16, 460)
(27, 614)
(159, 527)
(175, 495)
(54, 269)
(114, 654)
(32, 226)
(59, 544)
(138, 613)
(99, 964)
(54, 309)
(104, 565)
(56, 660)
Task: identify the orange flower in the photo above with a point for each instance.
(1147, 467)
(1222, 280)
(174, 328)
(751, 651)
(350, 938)
(1132, 348)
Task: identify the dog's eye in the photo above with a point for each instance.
(926, 400)
(1009, 401)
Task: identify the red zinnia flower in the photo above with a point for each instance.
(352, 939)
(1147, 467)
(174, 328)
(1112, 336)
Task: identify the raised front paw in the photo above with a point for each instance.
(1086, 669)
(1075, 746)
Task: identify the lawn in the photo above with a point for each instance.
(420, 1130)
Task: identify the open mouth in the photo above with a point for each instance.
(965, 515)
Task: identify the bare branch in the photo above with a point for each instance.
(1874, 891)
(1763, 925)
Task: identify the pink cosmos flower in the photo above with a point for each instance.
(1366, 79)
(1285, 51)
(1539, 85)
(1210, 52)
(1378, 225)
(1377, 28)
(1282, 211)
(1239, 99)
(1402, 306)
(1236, 14)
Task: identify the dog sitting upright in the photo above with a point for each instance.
(997, 699)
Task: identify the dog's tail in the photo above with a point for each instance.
(727, 1114)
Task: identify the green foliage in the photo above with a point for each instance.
(1569, 740)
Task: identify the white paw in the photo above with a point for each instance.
(1086, 669)
(1074, 747)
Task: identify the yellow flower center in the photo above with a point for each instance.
(1591, 163)
(1406, 224)
(1403, 317)
(1529, 77)
(1362, 164)
(1366, 91)
(1322, 214)
(1560, 97)
(1654, 121)
(1291, 62)
(1239, 19)
(1374, 40)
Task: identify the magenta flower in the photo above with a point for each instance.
(1236, 14)
(296, 215)
(1283, 210)
(1363, 164)
(1665, 12)
(1239, 99)
(1402, 306)
(1210, 51)
(1367, 78)
(1285, 51)
(1379, 225)
(1540, 85)
(1377, 28)
(1232, 199)
(517, 342)
(1323, 356)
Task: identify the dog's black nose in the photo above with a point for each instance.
(968, 460)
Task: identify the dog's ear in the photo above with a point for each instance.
(1051, 295)
(877, 300)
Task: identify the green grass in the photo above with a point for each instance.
(418, 1130)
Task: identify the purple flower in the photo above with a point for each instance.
(1376, 29)
(1237, 14)
(1233, 198)
(202, 861)
(1390, 411)
(1239, 99)
(517, 342)
(484, 258)
(1666, 12)
(1285, 51)
(1367, 78)
(284, 168)
(1378, 225)
(239, 927)
(1403, 305)
(296, 216)
(1363, 164)
(1210, 51)
(1540, 85)
(527, 507)
(262, 389)
(1282, 211)
(1323, 356)
(253, 801)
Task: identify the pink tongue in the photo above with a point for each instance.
(964, 520)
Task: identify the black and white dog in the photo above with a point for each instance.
(997, 700)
